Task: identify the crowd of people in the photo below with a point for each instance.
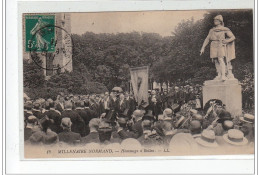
(166, 119)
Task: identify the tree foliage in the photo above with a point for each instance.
(32, 74)
(108, 57)
(102, 61)
(183, 61)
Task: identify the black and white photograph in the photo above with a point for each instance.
(138, 83)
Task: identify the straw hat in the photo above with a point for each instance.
(207, 139)
(235, 137)
(248, 118)
(131, 143)
(167, 111)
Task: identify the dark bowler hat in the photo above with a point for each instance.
(149, 115)
(144, 104)
(195, 125)
(223, 116)
(123, 117)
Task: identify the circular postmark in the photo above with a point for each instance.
(52, 43)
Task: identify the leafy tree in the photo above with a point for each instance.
(183, 61)
(33, 76)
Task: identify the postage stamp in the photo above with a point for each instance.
(49, 45)
(144, 83)
(39, 36)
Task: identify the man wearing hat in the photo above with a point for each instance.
(168, 132)
(36, 110)
(60, 104)
(91, 114)
(28, 112)
(149, 136)
(130, 102)
(105, 132)
(67, 135)
(167, 116)
(55, 116)
(113, 101)
(104, 103)
(136, 129)
(222, 49)
(31, 127)
(93, 135)
(190, 94)
(207, 139)
(121, 104)
(83, 114)
(223, 127)
(78, 124)
(122, 130)
(45, 135)
(247, 126)
(235, 137)
(164, 98)
(155, 106)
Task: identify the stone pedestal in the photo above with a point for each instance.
(229, 92)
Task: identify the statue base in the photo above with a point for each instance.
(229, 92)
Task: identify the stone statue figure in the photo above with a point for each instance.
(222, 49)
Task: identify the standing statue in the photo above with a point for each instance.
(222, 48)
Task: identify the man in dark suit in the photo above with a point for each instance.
(155, 107)
(113, 101)
(122, 130)
(83, 114)
(168, 132)
(136, 129)
(67, 135)
(121, 104)
(55, 117)
(90, 113)
(28, 111)
(78, 124)
(60, 104)
(36, 110)
(104, 103)
(149, 136)
(167, 116)
(130, 102)
(93, 135)
(31, 127)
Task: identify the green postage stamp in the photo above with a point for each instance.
(40, 33)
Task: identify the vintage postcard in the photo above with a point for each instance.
(143, 83)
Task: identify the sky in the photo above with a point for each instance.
(162, 22)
